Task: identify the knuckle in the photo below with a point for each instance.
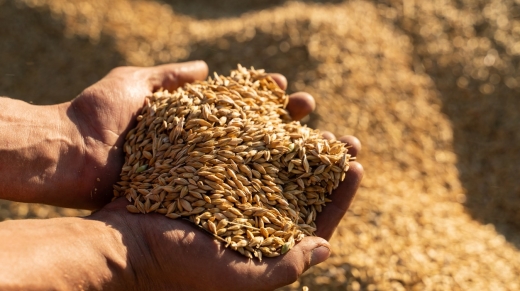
(123, 70)
(291, 274)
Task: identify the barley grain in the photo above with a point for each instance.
(234, 163)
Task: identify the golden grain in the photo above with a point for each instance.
(231, 164)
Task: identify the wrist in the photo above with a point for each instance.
(116, 246)
(100, 163)
(128, 248)
(40, 157)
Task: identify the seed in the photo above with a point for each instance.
(222, 223)
(184, 205)
(132, 208)
(173, 215)
(154, 207)
(141, 169)
(211, 227)
(285, 248)
(197, 210)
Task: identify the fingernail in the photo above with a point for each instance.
(319, 255)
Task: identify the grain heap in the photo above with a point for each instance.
(225, 155)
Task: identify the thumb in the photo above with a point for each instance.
(172, 76)
(305, 254)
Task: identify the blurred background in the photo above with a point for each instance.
(431, 88)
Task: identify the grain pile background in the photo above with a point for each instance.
(429, 87)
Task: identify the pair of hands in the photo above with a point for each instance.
(170, 254)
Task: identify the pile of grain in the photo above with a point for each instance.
(429, 87)
(224, 154)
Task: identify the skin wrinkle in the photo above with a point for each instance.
(125, 126)
(25, 151)
(155, 83)
(291, 274)
(253, 277)
(25, 160)
(130, 245)
(115, 265)
(101, 133)
(147, 247)
(94, 138)
(61, 148)
(71, 113)
(173, 79)
(98, 133)
(131, 264)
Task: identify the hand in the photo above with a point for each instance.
(167, 254)
(106, 111)
(70, 154)
(175, 254)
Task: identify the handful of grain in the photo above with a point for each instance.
(224, 154)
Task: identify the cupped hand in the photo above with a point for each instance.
(166, 254)
(105, 112)
(170, 254)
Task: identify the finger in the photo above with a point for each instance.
(300, 105)
(287, 268)
(328, 135)
(333, 212)
(280, 80)
(270, 272)
(353, 142)
(172, 76)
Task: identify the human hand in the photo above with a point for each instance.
(70, 154)
(175, 254)
(106, 111)
(167, 254)
(113, 249)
